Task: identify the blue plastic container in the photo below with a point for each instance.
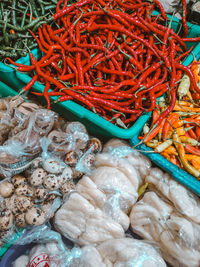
(179, 175)
(13, 253)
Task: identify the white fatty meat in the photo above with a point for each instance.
(89, 257)
(127, 252)
(154, 219)
(121, 164)
(183, 200)
(109, 201)
(121, 194)
(85, 223)
(141, 163)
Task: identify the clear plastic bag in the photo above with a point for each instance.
(182, 199)
(107, 195)
(155, 218)
(121, 149)
(21, 137)
(51, 250)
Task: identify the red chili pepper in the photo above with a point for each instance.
(123, 30)
(161, 9)
(185, 27)
(108, 57)
(38, 42)
(70, 8)
(31, 83)
(78, 57)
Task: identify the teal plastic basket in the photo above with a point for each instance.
(6, 91)
(178, 174)
(95, 124)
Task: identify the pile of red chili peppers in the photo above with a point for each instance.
(113, 57)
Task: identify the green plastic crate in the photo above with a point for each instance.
(95, 124)
(72, 111)
(6, 91)
(8, 76)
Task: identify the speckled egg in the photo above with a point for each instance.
(40, 193)
(51, 182)
(35, 216)
(71, 158)
(37, 163)
(47, 209)
(50, 198)
(66, 175)
(67, 188)
(18, 180)
(20, 220)
(77, 174)
(53, 166)
(6, 189)
(24, 203)
(6, 220)
(88, 161)
(38, 176)
(95, 145)
(22, 190)
(11, 204)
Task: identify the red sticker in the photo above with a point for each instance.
(41, 260)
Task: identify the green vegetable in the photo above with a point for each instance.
(16, 18)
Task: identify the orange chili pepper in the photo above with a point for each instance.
(155, 116)
(189, 157)
(153, 132)
(191, 109)
(195, 164)
(167, 126)
(175, 161)
(183, 157)
(12, 31)
(195, 70)
(184, 103)
(178, 123)
(180, 131)
(191, 132)
(165, 155)
(192, 150)
(171, 150)
(197, 130)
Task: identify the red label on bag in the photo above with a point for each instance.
(41, 260)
